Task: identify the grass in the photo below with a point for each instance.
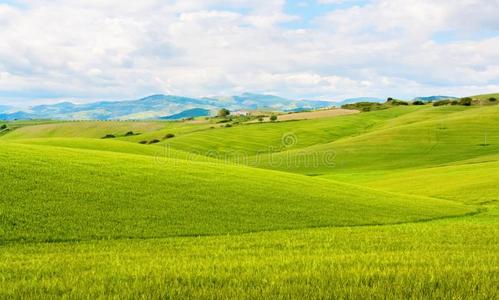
(451, 136)
(448, 259)
(252, 139)
(159, 152)
(399, 203)
(84, 129)
(97, 194)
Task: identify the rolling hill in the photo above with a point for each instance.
(397, 203)
(77, 194)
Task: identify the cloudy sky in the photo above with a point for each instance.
(84, 50)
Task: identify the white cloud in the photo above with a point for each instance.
(114, 49)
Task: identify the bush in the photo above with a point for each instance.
(143, 142)
(260, 119)
(465, 101)
(109, 136)
(418, 102)
(3, 127)
(223, 113)
(398, 102)
(154, 141)
(169, 136)
(389, 99)
(273, 118)
(129, 133)
(442, 102)
(492, 99)
(454, 102)
(228, 125)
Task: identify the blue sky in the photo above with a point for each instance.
(82, 51)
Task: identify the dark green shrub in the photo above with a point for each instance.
(228, 125)
(130, 133)
(465, 101)
(273, 118)
(109, 136)
(4, 126)
(418, 102)
(454, 102)
(169, 136)
(398, 102)
(223, 113)
(143, 142)
(154, 141)
(492, 99)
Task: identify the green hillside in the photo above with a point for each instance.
(66, 194)
(160, 152)
(455, 135)
(399, 203)
(86, 129)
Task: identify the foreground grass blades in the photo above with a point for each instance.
(448, 259)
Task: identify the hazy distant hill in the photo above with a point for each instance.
(190, 113)
(433, 98)
(359, 99)
(159, 106)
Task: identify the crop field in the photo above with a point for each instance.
(399, 203)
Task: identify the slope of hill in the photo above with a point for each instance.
(455, 135)
(190, 113)
(263, 138)
(87, 129)
(81, 194)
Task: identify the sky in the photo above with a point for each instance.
(87, 50)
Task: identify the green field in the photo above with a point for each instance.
(397, 203)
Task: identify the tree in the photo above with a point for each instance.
(4, 126)
(389, 99)
(398, 102)
(466, 101)
(260, 119)
(223, 113)
(273, 118)
(492, 99)
(418, 102)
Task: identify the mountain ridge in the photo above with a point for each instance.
(158, 106)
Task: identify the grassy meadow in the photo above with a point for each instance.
(395, 203)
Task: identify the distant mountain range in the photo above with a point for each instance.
(434, 98)
(360, 99)
(169, 107)
(160, 107)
